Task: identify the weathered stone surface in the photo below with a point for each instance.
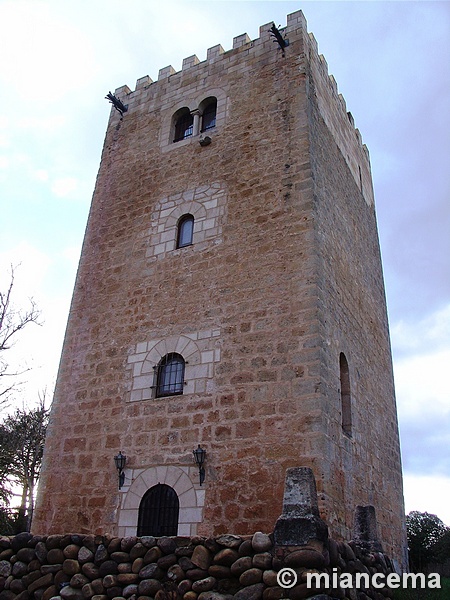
(127, 543)
(120, 557)
(26, 554)
(241, 564)
(109, 581)
(261, 542)
(55, 556)
(70, 593)
(262, 560)
(71, 551)
(246, 548)
(71, 566)
(85, 555)
(305, 558)
(19, 568)
(20, 540)
(196, 574)
(204, 585)
(107, 568)
(167, 545)
(148, 541)
(124, 568)
(151, 571)
(41, 552)
(152, 555)
(184, 586)
(270, 577)
(251, 577)
(274, 593)
(101, 554)
(214, 596)
(252, 592)
(50, 569)
(167, 561)
(78, 580)
(130, 590)
(219, 571)
(175, 573)
(226, 557)
(5, 568)
(137, 551)
(149, 587)
(229, 541)
(201, 557)
(90, 570)
(186, 563)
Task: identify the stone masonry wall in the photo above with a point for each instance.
(85, 567)
(283, 274)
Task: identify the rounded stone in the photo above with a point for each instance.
(251, 577)
(101, 554)
(252, 592)
(55, 556)
(137, 565)
(201, 557)
(184, 586)
(137, 551)
(167, 545)
(109, 567)
(190, 595)
(149, 587)
(127, 578)
(5, 568)
(229, 541)
(71, 566)
(306, 557)
(70, 593)
(71, 551)
(41, 552)
(241, 564)
(127, 543)
(151, 571)
(85, 555)
(263, 560)
(109, 581)
(219, 571)
(274, 593)
(152, 555)
(97, 586)
(204, 585)
(175, 573)
(270, 578)
(245, 549)
(166, 561)
(124, 567)
(148, 541)
(261, 542)
(120, 557)
(130, 590)
(226, 557)
(19, 569)
(26, 554)
(90, 570)
(79, 580)
(196, 574)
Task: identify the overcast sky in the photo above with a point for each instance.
(58, 59)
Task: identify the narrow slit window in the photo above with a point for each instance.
(170, 375)
(346, 401)
(185, 231)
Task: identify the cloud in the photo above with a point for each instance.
(418, 497)
(64, 187)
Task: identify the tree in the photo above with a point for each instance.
(22, 437)
(12, 321)
(424, 531)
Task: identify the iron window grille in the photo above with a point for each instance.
(158, 512)
(184, 126)
(170, 375)
(209, 116)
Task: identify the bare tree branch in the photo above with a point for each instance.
(12, 321)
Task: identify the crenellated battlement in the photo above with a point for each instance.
(303, 46)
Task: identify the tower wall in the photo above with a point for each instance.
(283, 275)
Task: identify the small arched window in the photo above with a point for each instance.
(158, 512)
(184, 124)
(170, 375)
(346, 401)
(185, 231)
(209, 110)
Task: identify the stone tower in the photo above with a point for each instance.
(229, 295)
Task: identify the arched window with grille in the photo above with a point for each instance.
(346, 401)
(170, 375)
(158, 512)
(209, 111)
(184, 124)
(185, 231)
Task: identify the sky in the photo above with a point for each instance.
(59, 58)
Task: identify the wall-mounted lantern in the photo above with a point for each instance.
(199, 457)
(120, 462)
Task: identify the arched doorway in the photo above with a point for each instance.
(158, 511)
